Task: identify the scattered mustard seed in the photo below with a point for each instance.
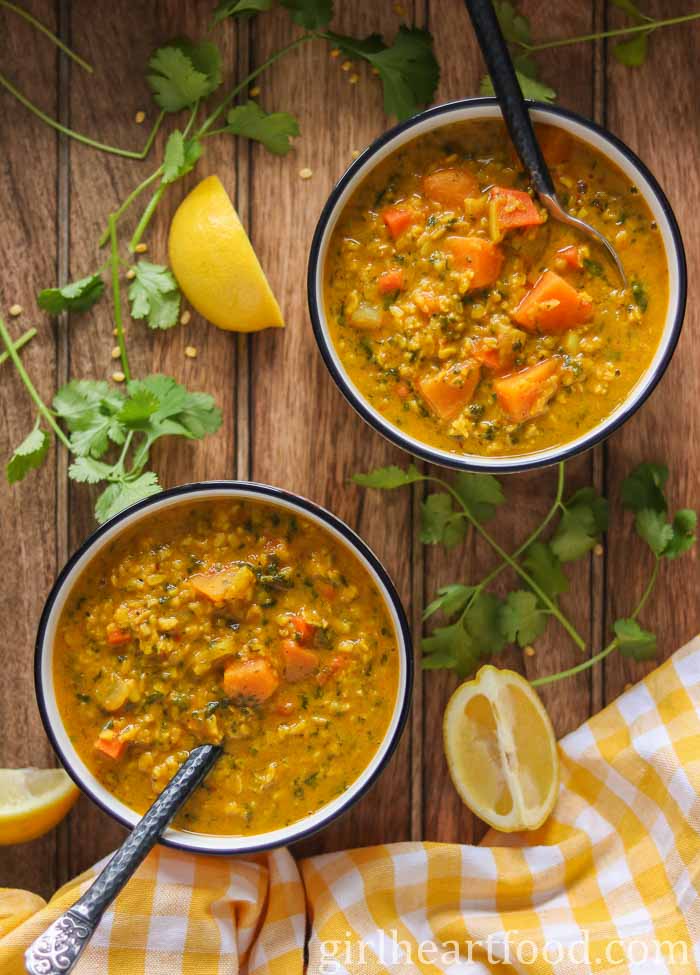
(335, 52)
(254, 92)
(346, 65)
(185, 318)
(306, 173)
(141, 248)
(16, 310)
(190, 352)
(130, 274)
(529, 651)
(140, 117)
(375, 71)
(355, 153)
(354, 78)
(118, 377)
(116, 352)
(598, 549)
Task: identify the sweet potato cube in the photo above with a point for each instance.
(298, 661)
(450, 187)
(250, 681)
(476, 254)
(233, 582)
(450, 390)
(513, 208)
(525, 394)
(552, 306)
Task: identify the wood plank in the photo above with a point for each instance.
(305, 437)
(27, 527)
(529, 495)
(666, 428)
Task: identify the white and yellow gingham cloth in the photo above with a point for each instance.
(609, 884)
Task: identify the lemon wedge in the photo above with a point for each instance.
(501, 750)
(215, 264)
(16, 906)
(32, 801)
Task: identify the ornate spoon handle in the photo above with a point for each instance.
(56, 951)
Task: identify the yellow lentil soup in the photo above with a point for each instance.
(472, 321)
(234, 622)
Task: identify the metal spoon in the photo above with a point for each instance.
(517, 118)
(56, 951)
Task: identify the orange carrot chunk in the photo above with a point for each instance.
(476, 254)
(304, 630)
(250, 681)
(233, 582)
(494, 357)
(514, 208)
(572, 256)
(112, 747)
(390, 281)
(397, 220)
(117, 636)
(450, 187)
(525, 394)
(552, 306)
(450, 390)
(298, 661)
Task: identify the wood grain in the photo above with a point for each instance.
(284, 420)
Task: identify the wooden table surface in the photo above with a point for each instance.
(284, 421)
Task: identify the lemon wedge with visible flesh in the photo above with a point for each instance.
(215, 264)
(32, 801)
(501, 750)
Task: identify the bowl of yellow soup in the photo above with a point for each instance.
(236, 614)
(467, 326)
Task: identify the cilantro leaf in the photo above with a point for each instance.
(239, 8)
(482, 621)
(154, 295)
(450, 599)
(585, 517)
(654, 529)
(630, 8)
(480, 494)
(29, 455)
(87, 470)
(388, 478)
(273, 129)
(530, 87)
(515, 26)
(644, 488)
(88, 407)
(183, 72)
(180, 156)
(440, 523)
(310, 14)
(545, 568)
(138, 408)
(122, 494)
(633, 52)
(683, 538)
(634, 641)
(77, 296)
(450, 647)
(408, 69)
(639, 293)
(521, 618)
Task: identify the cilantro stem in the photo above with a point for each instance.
(37, 24)
(615, 32)
(208, 122)
(30, 387)
(602, 654)
(78, 136)
(146, 217)
(135, 193)
(114, 251)
(19, 344)
(510, 561)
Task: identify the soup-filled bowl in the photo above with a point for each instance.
(468, 327)
(233, 613)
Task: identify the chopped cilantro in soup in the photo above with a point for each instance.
(233, 622)
(471, 320)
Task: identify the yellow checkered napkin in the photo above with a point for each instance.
(610, 884)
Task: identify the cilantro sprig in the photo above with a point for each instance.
(483, 623)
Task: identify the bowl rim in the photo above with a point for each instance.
(506, 464)
(318, 514)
